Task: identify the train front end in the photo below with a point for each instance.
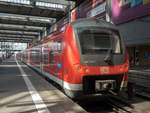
(98, 59)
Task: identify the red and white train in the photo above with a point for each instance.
(88, 56)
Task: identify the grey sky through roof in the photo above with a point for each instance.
(52, 5)
(17, 1)
(37, 3)
(12, 46)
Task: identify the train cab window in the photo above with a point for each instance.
(97, 41)
(51, 57)
(59, 48)
(116, 44)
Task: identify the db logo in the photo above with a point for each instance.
(104, 70)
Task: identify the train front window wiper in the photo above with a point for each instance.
(108, 57)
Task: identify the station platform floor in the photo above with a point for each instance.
(22, 90)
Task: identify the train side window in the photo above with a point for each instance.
(59, 46)
(31, 56)
(46, 58)
(51, 57)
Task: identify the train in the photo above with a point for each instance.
(86, 57)
(3, 55)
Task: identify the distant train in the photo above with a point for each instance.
(86, 57)
(3, 55)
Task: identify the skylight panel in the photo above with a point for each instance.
(51, 5)
(17, 1)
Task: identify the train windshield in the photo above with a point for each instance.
(98, 41)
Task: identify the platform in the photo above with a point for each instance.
(22, 90)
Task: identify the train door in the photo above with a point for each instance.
(59, 60)
(41, 59)
(45, 59)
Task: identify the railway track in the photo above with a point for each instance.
(119, 105)
(114, 104)
(142, 94)
(141, 91)
(108, 104)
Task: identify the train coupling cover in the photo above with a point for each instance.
(104, 85)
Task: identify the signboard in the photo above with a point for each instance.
(88, 9)
(96, 11)
(125, 10)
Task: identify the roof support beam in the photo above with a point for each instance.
(19, 32)
(62, 2)
(20, 27)
(6, 7)
(1, 38)
(17, 36)
(28, 20)
(16, 41)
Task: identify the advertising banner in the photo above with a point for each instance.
(125, 10)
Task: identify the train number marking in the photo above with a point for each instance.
(104, 70)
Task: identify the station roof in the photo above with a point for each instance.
(23, 20)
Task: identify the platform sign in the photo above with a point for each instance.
(125, 10)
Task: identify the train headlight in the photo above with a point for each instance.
(125, 66)
(121, 69)
(79, 68)
(86, 70)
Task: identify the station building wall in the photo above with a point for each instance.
(133, 19)
(136, 34)
(144, 56)
(139, 55)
